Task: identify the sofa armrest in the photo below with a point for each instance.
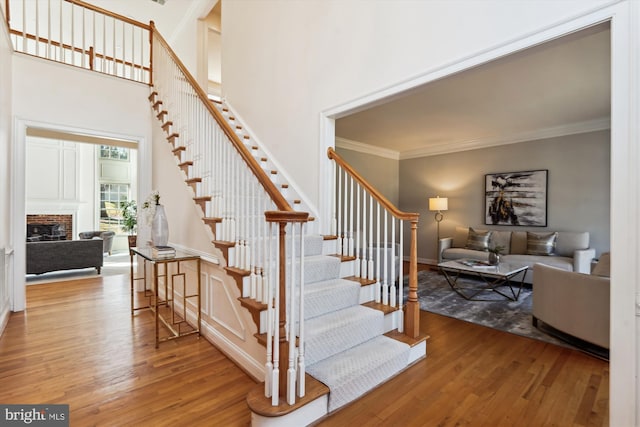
(444, 243)
(582, 260)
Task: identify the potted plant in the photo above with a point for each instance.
(494, 254)
(130, 220)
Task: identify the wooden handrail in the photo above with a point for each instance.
(76, 49)
(95, 9)
(291, 216)
(277, 197)
(397, 213)
(7, 13)
(109, 13)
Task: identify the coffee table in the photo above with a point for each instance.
(503, 275)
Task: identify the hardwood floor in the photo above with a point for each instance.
(77, 344)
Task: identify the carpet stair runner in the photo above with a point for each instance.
(345, 346)
(344, 343)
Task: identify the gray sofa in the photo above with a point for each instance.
(43, 257)
(571, 249)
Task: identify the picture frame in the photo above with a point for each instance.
(516, 198)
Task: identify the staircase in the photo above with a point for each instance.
(351, 342)
(329, 310)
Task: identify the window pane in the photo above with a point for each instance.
(110, 214)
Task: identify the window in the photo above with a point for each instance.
(114, 153)
(110, 197)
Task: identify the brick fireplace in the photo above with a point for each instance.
(65, 220)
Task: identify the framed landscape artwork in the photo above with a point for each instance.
(516, 198)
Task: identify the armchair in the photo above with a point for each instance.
(573, 303)
(106, 236)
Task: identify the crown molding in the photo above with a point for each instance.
(603, 123)
(360, 147)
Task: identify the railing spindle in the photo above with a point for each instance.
(382, 252)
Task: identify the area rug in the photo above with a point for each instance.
(436, 296)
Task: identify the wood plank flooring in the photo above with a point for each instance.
(77, 344)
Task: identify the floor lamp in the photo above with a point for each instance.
(438, 204)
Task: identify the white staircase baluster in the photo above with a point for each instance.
(276, 327)
(385, 250)
(377, 256)
(291, 322)
(345, 217)
(356, 249)
(339, 211)
(370, 263)
(392, 285)
(334, 202)
(350, 251)
(37, 28)
(365, 230)
(401, 278)
(268, 380)
(301, 363)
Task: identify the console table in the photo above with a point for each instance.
(170, 307)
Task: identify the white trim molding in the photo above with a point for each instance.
(362, 147)
(603, 123)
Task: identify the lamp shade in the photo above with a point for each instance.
(438, 203)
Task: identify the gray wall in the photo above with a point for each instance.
(381, 172)
(578, 186)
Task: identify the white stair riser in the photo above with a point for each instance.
(367, 293)
(347, 269)
(391, 321)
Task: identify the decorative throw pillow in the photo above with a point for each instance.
(478, 240)
(541, 244)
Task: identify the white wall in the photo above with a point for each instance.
(50, 95)
(286, 62)
(5, 169)
(44, 91)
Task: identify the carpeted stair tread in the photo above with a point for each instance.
(328, 296)
(319, 268)
(313, 245)
(357, 370)
(340, 330)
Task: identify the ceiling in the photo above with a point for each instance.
(556, 88)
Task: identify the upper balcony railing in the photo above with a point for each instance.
(80, 34)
